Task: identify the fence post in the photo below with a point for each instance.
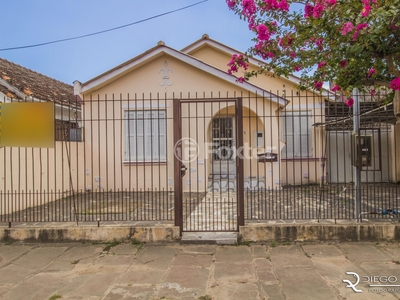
(357, 164)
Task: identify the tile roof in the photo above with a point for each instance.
(16, 82)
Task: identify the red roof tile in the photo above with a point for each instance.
(34, 84)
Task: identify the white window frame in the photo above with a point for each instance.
(145, 135)
(296, 133)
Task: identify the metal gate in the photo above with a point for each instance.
(208, 180)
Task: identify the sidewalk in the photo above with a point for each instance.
(181, 271)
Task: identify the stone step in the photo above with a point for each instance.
(219, 238)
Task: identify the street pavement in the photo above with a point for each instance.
(199, 271)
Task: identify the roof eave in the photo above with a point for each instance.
(118, 71)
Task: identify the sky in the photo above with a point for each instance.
(28, 22)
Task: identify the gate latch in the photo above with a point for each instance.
(183, 170)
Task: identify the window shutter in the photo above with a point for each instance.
(145, 133)
(304, 135)
(288, 135)
(162, 136)
(296, 132)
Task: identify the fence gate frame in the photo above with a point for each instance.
(177, 129)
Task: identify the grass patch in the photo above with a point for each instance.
(205, 297)
(111, 245)
(243, 243)
(138, 244)
(9, 243)
(55, 296)
(273, 244)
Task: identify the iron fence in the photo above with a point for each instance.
(113, 160)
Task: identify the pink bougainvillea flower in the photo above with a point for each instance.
(371, 72)
(395, 84)
(318, 11)
(240, 80)
(359, 27)
(237, 61)
(372, 92)
(297, 68)
(321, 64)
(318, 85)
(335, 88)
(283, 5)
(231, 3)
(349, 102)
(365, 11)
(343, 63)
(347, 27)
(263, 32)
(319, 42)
(308, 10)
(249, 8)
(331, 2)
(271, 4)
(292, 54)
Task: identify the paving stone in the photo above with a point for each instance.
(188, 260)
(143, 275)
(363, 252)
(231, 271)
(179, 283)
(271, 291)
(303, 283)
(40, 257)
(10, 252)
(232, 254)
(292, 256)
(157, 256)
(199, 249)
(237, 291)
(142, 292)
(12, 274)
(259, 251)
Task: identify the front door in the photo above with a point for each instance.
(223, 142)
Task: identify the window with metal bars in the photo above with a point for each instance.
(145, 136)
(296, 133)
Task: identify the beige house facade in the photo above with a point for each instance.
(279, 147)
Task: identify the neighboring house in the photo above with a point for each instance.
(377, 143)
(36, 175)
(19, 84)
(277, 125)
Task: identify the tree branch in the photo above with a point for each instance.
(370, 82)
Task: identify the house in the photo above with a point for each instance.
(277, 140)
(19, 84)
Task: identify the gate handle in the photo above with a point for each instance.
(183, 170)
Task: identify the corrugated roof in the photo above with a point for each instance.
(31, 83)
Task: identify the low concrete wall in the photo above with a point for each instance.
(91, 233)
(320, 232)
(170, 233)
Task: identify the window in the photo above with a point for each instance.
(68, 131)
(145, 133)
(296, 132)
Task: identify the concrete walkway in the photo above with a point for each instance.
(180, 271)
